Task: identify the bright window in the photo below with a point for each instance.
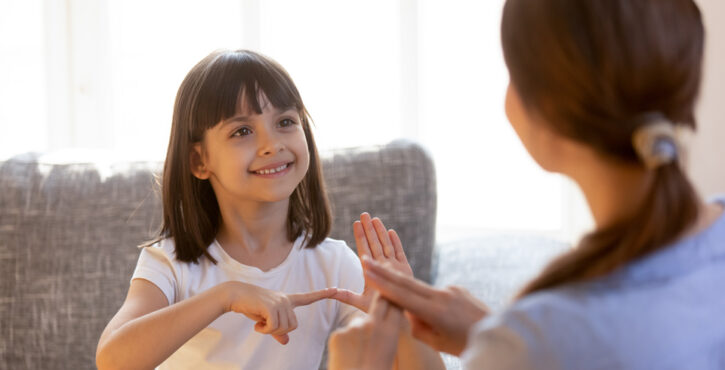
(104, 73)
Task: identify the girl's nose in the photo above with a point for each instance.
(269, 144)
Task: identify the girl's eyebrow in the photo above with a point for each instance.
(246, 118)
(286, 110)
(235, 119)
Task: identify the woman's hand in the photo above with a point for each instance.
(273, 311)
(376, 242)
(439, 317)
(368, 343)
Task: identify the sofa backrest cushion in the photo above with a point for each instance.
(69, 234)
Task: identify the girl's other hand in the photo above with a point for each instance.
(368, 343)
(373, 240)
(439, 317)
(273, 311)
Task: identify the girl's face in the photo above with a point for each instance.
(254, 157)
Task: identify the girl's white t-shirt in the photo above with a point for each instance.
(230, 341)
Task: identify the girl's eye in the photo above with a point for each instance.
(286, 122)
(244, 131)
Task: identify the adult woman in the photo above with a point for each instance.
(599, 91)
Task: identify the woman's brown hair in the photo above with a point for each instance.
(590, 69)
(209, 94)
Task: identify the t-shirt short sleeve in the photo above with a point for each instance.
(351, 278)
(155, 265)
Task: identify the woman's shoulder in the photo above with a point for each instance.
(549, 312)
(548, 329)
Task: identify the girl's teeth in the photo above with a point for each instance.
(272, 170)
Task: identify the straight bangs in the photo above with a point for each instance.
(236, 75)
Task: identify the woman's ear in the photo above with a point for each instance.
(196, 161)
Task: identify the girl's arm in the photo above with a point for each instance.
(147, 330)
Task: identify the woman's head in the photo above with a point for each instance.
(238, 117)
(589, 69)
(593, 72)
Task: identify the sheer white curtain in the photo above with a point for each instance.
(103, 74)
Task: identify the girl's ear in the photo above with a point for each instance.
(196, 162)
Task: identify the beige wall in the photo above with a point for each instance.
(707, 158)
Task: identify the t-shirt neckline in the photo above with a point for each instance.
(218, 252)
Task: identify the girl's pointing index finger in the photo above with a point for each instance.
(303, 299)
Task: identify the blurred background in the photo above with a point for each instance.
(102, 75)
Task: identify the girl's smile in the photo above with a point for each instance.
(274, 170)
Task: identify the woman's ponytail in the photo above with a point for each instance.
(668, 210)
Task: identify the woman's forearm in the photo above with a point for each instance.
(146, 341)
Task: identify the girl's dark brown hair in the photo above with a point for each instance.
(209, 94)
(590, 68)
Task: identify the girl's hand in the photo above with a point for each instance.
(374, 241)
(273, 311)
(439, 317)
(369, 343)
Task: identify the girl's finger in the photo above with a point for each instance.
(303, 299)
(397, 246)
(281, 327)
(382, 234)
(375, 247)
(292, 319)
(361, 242)
(271, 322)
(283, 338)
(349, 297)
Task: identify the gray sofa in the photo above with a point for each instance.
(69, 231)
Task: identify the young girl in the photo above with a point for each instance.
(244, 232)
(599, 90)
